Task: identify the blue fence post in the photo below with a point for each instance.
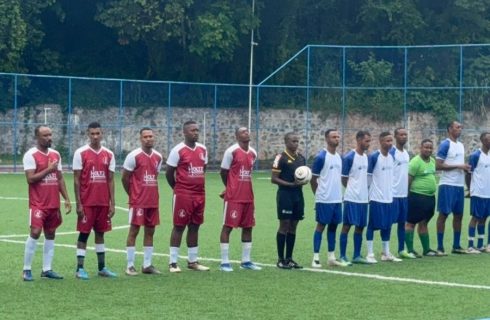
(69, 125)
(169, 118)
(461, 84)
(15, 124)
(343, 98)
(121, 117)
(307, 118)
(405, 79)
(257, 124)
(215, 105)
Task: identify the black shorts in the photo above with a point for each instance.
(420, 207)
(290, 205)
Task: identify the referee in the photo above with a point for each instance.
(290, 201)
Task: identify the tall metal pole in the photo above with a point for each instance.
(252, 44)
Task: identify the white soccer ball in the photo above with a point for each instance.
(302, 174)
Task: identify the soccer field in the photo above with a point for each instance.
(453, 287)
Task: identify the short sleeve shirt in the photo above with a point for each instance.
(328, 168)
(423, 176)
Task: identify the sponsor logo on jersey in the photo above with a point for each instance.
(244, 174)
(97, 175)
(50, 179)
(194, 171)
(149, 178)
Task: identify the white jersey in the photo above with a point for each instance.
(328, 168)
(354, 166)
(480, 174)
(452, 153)
(400, 172)
(381, 169)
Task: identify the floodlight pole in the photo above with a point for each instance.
(252, 44)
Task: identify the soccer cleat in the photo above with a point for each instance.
(459, 251)
(150, 270)
(131, 271)
(249, 265)
(107, 273)
(196, 266)
(390, 257)
(431, 253)
(316, 264)
(294, 265)
(81, 274)
(441, 253)
(226, 267)
(416, 254)
(27, 275)
(345, 261)
(371, 259)
(174, 268)
(472, 250)
(50, 274)
(484, 249)
(337, 263)
(283, 264)
(406, 255)
(360, 260)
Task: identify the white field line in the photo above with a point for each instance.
(342, 273)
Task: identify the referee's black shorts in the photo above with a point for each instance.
(420, 207)
(290, 204)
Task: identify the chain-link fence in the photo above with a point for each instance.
(344, 87)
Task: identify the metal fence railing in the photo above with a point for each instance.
(345, 87)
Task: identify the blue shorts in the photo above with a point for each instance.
(480, 207)
(450, 199)
(380, 215)
(400, 210)
(355, 214)
(327, 213)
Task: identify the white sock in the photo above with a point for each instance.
(386, 247)
(192, 254)
(331, 255)
(246, 249)
(174, 254)
(316, 256)
(147, 254)
(99, 247)
(225, 249)
(29, 251)
(48, 253)
(81, 252)
(130, 254)
(370, 247)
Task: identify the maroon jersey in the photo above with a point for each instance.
(239, 164)
(43, 194)
(94, 178)
(143, 184)
(190, 164)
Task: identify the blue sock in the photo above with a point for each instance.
(488, 234)
(456, 239)
(331, 241)
(357, 244)
(471, 237)
(385, 234)
(343, 244)
(317, 241)
(369, 234)
(481, 234)
(440, 241)
(400, 231)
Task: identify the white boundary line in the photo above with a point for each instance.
(342, 273)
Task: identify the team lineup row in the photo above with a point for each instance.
(394, 189)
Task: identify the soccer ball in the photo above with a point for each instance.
(302, 174)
